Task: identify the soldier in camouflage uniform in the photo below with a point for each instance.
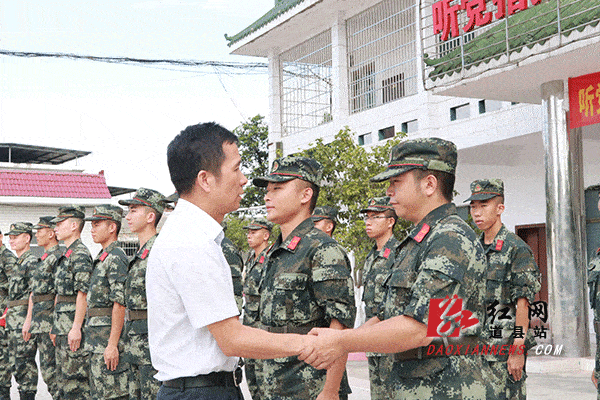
(7, 264)
(22, 353)
(71, 283)
(236, 263)
(513, 280)
(325, 219)
(106, 308)
(145, 211)
(306, 283)
(594, 285)
(380, 219)
(38, 324)
(259, 231)
(441, 257)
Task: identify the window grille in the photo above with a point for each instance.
(129, 247)
(382, 56)
(306, 84)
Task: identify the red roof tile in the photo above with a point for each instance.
(53, 184)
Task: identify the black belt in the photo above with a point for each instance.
(224, 379)
(134, 315)
(302, 330)
(14, 303)
(42, 297)
(66, 299)
(99, 312)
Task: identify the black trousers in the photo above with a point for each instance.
(202, 393)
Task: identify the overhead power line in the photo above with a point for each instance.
(133, 61)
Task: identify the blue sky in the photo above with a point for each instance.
(126, 115)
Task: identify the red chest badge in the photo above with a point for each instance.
(294, 243)
(422, 233)
(145, 254)
(499, 245)
(103, 256)
(68, 253)
(44, 256)
(261, 260)
(387, 252)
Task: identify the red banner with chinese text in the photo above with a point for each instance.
(584, 100)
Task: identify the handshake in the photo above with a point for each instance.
(321, 347)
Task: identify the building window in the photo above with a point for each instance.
(382, 54)
(459, 112)
(489, 106)
(393, 88)
(306, 85)
(365, 139)
(130, 247)
(387, 133)
(410, 126)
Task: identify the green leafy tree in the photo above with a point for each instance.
(347, 168)
(253, 138)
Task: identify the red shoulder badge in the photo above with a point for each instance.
(44, 256)
(68, 253)
(103, 256)
(499, 245)
(261, 259)
(294, 243)
(387, 252)
(144, 254)
(422, 233)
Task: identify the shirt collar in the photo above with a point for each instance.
(433, 218)
(211, 227)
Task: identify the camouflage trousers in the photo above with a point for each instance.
(22, 359)
(380, 368)
(142, 384)
(107, 384)
(5, 365)
(505, 387)
(250, 372)
(461, 378)
(72, 370)
(47, 362)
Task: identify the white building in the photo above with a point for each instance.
(361, 64)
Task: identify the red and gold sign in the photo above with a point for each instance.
(584, 100)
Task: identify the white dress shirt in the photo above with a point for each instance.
(189, 286)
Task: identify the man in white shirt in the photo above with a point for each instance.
(194, 330)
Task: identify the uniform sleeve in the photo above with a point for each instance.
(82, 271)
(441, 271)
(332, 284)
(234, 259)
(117, 275)
(525, 276)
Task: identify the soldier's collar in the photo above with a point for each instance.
(498, 242)
(422, 229)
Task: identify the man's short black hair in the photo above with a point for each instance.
(197, 148)
(445, 181)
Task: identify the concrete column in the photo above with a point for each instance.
(566, 272)
(275, 100)
(339, 61)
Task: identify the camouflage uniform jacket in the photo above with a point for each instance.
(136, 345)
(254, 269)
(7, 265)
(42, 283)
(234, 259)
(19, 289)
(306, 283)
(594, 284)
(377, 268)
(440, 257)
(72, 275)
(107, 286)
(512, 273)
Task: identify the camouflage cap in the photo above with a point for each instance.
(106, 212)
(324, 212)
(292, 167)
(174, 198)
(260, 223)
(147, 197)
(484, 189)
(428, 154)
(45, 222)
(379, 204)
(20, 227)
(71, 211)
